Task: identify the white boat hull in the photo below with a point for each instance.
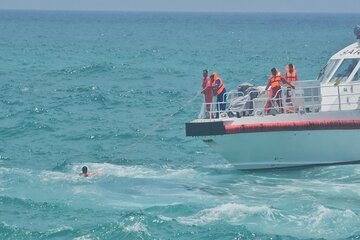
(262, 150)
(316, 123)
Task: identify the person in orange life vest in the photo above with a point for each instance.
(207, 90)
(290, 76)
(275, 80)
(219, 90)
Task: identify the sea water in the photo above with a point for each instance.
(113, 90)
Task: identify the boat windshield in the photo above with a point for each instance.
(357, 76)
(345, 69)
(327, 70)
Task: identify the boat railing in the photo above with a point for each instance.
(307, 97)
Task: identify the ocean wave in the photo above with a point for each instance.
(12, 102)
(86, 95)
(231, 212)
(59, 232)
(220, 165)
(137, 227)
(43, 176)
(27, 204)
(80, 89)
(16, 171)
(39, 110)
(331, 223)
(323, 222)
(51, 176)
(70, 173)
(84, 237)
(135, 171)
(25, 128)
(8, 231)
(144, 92)
(98, 68)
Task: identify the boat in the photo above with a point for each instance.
(320, 126)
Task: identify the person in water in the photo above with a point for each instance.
(85, 172)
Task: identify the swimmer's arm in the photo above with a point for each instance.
(94, 174)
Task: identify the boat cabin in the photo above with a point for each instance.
(340, 79)
(343, 67)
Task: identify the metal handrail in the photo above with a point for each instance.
(312, 102)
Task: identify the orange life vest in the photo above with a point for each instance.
(290, 77)
(221, 86)
(275, 81)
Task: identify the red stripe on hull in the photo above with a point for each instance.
(293, 126)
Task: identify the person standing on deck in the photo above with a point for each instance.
(290, 77)
(275, 80)
(220, 92)
(207, 90)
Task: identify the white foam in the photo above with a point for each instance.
(323, 222)
(199, 152)
(24, 89)
(231, 212)
(86, 191)
(20, 171)
(137, 227)
(221, 166)
(106, 169)
(323, 215)
(135, 171)
(318, 217)
(166, 219)
(349, 214)
(357, 169)
(169, 173)
(288, 189)
(85, 237)
(47, 176)
(60, 229)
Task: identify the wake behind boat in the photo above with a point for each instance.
(319, 126)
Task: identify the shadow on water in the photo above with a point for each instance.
(281, 171)
(264, 171)
(300, 168)
(332, 174)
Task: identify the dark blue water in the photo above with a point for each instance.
(113, 90)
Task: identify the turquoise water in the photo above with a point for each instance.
(113, 90)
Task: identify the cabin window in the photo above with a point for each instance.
(327, 70)
(357, 76)
(344, 70)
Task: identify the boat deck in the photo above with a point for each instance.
(307, 97)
